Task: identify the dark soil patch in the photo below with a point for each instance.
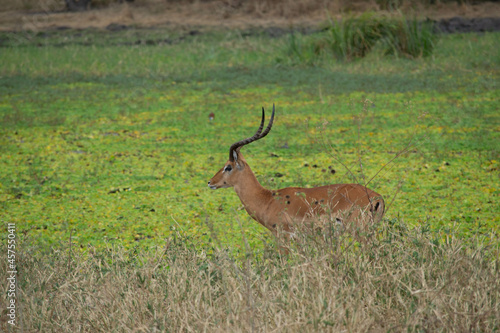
(460, 24)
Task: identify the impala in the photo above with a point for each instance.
(282, 209)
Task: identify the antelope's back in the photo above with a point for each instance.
(353, 199)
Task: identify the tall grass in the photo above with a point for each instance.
(356, 36)
(138, 116)
(392, 279)
(411, 38)
(306, 51)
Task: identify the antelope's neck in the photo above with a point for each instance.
(253, 196)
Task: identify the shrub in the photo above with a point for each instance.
(411, 38)
(354, 37)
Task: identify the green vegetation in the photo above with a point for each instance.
(79, 122)
(356, 36)
(410, 38)
(106, 150)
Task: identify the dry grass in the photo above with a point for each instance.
(394, 279)
(47, 14)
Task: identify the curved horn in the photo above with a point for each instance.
(255, 137)
(268, 128)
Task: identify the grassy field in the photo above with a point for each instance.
(106, 150)
(82, 121)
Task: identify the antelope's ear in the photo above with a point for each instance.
(240, 165)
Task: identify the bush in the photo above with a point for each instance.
(355, 37)
(412, 39)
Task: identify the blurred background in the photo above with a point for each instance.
(42, 14)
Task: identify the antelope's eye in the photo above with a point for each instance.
(228, 168)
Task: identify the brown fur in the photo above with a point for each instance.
(283, 208)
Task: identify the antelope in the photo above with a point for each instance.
(282, 209)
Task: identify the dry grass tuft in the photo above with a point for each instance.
(395, 279)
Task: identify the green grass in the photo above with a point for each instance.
(356, 36)
(411, 38)
(106, 150)
(79, 122)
